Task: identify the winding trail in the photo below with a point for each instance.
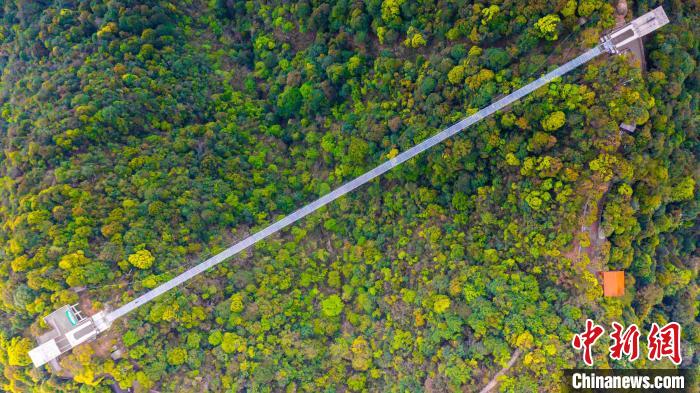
(494, 381)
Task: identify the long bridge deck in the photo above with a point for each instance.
(353, 184)
(639, 27)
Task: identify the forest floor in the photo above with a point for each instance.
(86, 304)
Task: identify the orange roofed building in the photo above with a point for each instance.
(613, 283)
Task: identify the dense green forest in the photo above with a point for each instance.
(139, 138)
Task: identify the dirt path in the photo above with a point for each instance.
(594, 251)
(494, 381)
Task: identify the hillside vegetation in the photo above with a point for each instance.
(139, 138)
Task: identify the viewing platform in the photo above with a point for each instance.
(618, 40)
(70, 328)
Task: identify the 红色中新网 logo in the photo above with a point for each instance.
(662, 342)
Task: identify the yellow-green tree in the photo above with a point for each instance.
(232, 342)
(547, 27)
(554, 121)
(17, 351)
(456, 75)
(361, 354)
(414, 38)
(237, 304)
(142, 259)
(391, 11)
(176, 356)
(441, 303)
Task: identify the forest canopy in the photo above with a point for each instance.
(138, 138)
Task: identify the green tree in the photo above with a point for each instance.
(332, 306)
(215, 338)
(289, 102)
(176, 356)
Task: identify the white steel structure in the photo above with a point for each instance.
(639, 27)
